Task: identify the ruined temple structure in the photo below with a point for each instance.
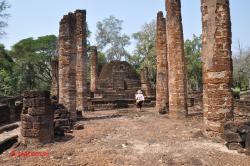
(37, 118)
(72, 63)
(176, 60)
(145, 84)
(118, 80)
(217, 65)
(162, 65)
(93, 69)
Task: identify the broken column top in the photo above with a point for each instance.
(70, 14)
(93, 48)
(159, 14)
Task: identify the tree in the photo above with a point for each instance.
(32, 62)
(192, 50)
(241, 68)
(110, 39)
(144, 54)
(3, 16)
(7, 78)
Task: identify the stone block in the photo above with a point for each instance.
(232, 137)
(234, 146)
(247, 141)
(36, 94)
(230, 126)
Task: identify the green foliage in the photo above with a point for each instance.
(145, 53)
(7, 78)
(3, 16)
(241, 69)
(27, 65)
(192, 49)
(110, 39)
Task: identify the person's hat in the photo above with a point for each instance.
(139, 92)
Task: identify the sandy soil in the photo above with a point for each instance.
(128, 137)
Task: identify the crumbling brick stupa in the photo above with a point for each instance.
(118, 80)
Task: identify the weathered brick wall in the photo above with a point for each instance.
(145, 84)
(81, 63)
(36, 118)
(72, 62)
(9, 112)
(217, 65)
(93, 69)
(162, 65)
(4, 114)
(54, 83)
(176, 60)
(118, 80)
(242, 110)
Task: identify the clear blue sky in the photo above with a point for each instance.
(33, 18)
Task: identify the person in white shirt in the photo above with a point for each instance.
(139, 99)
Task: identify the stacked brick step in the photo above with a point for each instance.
(62, 121)
(37, 118)
(237, 136)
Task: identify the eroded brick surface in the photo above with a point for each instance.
(145, 84)
(37, 118)
(93, 69)
(81, 61)
(72, 62)
(217, 65)
(54, 82)
(117, 80)
(176, 60)
(162, 65)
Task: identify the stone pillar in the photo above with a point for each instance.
(67, 64)
(54, 82)
(93, 69)
(73, 63)
(176, 60)
(162, 65)
(145, 84)
(36, 118)
(81, 63)
(217, 65)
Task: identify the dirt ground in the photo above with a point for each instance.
(128, 137)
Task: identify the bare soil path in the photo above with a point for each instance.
(128, 137)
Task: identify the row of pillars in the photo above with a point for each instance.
(171, 91)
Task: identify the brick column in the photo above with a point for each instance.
(93, 69)
(37, 118)
(162, 65)
(67, 64)
(81, 63)
(145, 84)
(217, 65)
(54, 82)
(73, 63)
(176, 60)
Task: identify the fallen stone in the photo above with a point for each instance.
(58, 132)
(78, 126)
(232, 137)
(230, 126)
(247, 141)
(234, 146)
(243, 129)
